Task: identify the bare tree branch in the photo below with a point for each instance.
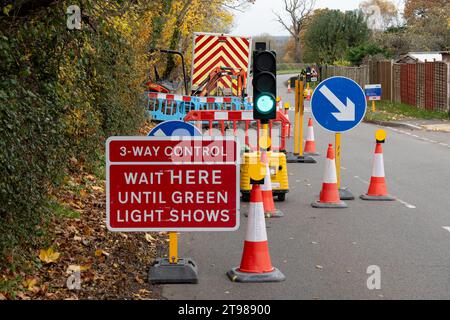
(299, 11)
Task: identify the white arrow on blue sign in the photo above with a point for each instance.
(338, 104)
(174, 128)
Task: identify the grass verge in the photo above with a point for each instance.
(393, 111)
(293, 71)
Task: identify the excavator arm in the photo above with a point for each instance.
(211, 82)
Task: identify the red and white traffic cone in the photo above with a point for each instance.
(289, 90)
(310, 144)
(256, 265)
(377, 189)
(329, 196)
(269, 205)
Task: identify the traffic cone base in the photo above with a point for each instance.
(275, 214)
(377, 198)
(236, 275)
(325, 205)
(345, 194)
(295, 158)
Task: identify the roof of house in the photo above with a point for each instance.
(422, 56)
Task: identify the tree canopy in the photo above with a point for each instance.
(331, 33)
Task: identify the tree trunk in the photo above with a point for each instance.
(298, 50)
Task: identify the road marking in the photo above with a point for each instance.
(420, 138)
(447, 228)
(406, 204)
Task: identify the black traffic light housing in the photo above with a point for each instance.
(264, 85)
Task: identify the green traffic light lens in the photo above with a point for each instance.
(265, 104)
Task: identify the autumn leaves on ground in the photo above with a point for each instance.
(110, 265)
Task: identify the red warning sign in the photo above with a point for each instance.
(172, 184)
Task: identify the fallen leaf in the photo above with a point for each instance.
(30, 284)
(22, 296)
(149, 237)
(83, 193)
(49, 255)
(139, 280)
(90, 177)
(77, 268)
(100, 252)
(2, 297)
(97, 188)
(319, 267)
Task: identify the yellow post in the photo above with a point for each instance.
(374, 108)
(338, 158)
(302, 112)
(173, 247)
(296, 121)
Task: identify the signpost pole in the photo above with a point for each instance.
(344, 193)
(297, 156)
(297, 118)
(173, 247)
(338, 158)
(302, 112)
(374, 108)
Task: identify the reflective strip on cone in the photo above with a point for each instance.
(330, 175)
(256, 226)
(378, 166)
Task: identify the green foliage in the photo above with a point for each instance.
(62, 92)
(356, 55)
(331, 33)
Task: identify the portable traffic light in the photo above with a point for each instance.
(264, 85)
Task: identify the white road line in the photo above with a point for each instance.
(420, 138)
(447, 228)
(406, 204)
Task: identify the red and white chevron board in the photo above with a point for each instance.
(216, 50)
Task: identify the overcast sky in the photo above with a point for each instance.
(259, 17)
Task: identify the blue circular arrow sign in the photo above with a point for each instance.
(338, 104)
(174, 128)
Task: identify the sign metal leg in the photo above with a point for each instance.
(344, 193)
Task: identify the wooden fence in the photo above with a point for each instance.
(424, 85)
(359, 74)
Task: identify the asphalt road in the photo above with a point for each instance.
(324, 254)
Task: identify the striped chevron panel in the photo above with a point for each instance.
(214, 50)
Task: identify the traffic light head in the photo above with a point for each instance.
(264, 85)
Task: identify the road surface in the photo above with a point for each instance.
(325, 254)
